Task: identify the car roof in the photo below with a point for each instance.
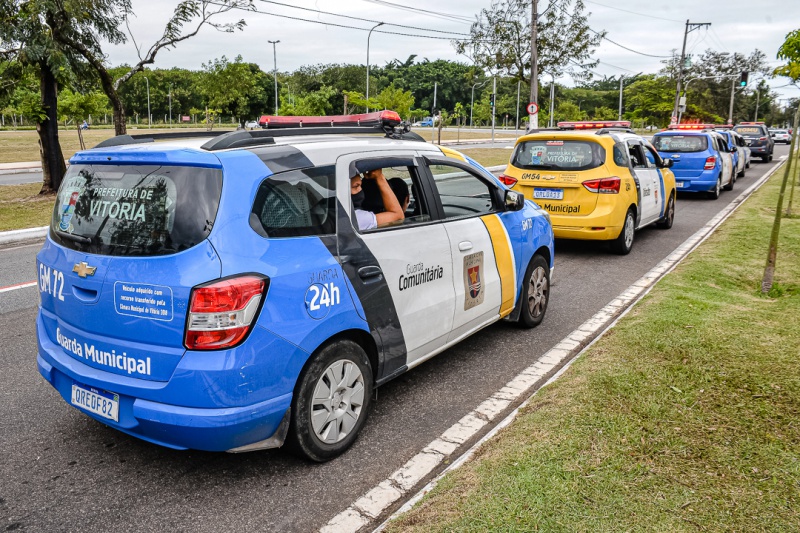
(585, 135)
(320, 149)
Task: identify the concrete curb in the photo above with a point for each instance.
(19, 235)
(383, 498)
(26, 170)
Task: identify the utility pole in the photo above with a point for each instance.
(275, 73)
(730, 109)
(552, 99)
(620, 97)
(690, 27)
(170, 105)
(533, 120)
(517, 126)
(433, 113)
(368, 36)
(758, 93)
(494, 95)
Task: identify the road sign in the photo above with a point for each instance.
(532, 108)
(673, 120)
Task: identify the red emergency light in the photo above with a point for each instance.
(376, 119)
(697, 126)
(750, 123)
(594, 124)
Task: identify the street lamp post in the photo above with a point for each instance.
(275, 72)
(149, 117)
(368, 36)
(170, 105)
(472, 101)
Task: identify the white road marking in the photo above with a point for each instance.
(24, 285)
(548, 368)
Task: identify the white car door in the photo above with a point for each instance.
(648, 177)
(726, 157)
(412, 258)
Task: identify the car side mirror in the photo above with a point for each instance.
(733, 149)
(514, 201)
(667, 163)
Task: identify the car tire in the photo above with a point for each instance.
(714, 194)
(623, 244)
(765, 158)
(731, 182)
(669, 215)
(535, 293)
(744, 169)
(337, 381)
(747, 165)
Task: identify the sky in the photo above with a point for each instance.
(652, 28)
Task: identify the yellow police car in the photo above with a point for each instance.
(597, 180)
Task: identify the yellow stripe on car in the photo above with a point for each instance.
(454, 154)
(504, 257)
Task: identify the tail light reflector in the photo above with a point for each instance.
(711, 162)
(221, 312)
(762, 138)
(603, 185)
(507, 180)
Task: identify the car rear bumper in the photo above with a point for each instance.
(164, 423)
(703, 183)
(603, 224)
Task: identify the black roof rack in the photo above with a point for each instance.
(614, 129)
(540, 130)
(222, 140)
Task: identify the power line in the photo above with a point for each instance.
(359, 18)
(437, 14)
(613, 66)
(632, 12)
(335, 25)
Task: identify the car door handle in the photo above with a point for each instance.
(368, 272)
(464, 246)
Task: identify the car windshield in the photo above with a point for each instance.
(680, 143)
(558, 155)
(135, 210)
(781, 132)
(748, 131)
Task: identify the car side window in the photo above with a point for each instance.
(404, 183)
(638, 159)
(620, 155)
(297, 203)
(653, 159)
(463, 194)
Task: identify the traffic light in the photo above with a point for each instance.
(743, 80)
(491, 99)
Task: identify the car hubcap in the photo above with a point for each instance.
(671, 214)
(629, 231)
(337, 401)
(537, 292)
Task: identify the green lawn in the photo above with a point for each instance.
(21, 206)
(684, 417)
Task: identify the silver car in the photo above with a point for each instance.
(781, 136)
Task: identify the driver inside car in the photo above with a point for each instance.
(367, 219)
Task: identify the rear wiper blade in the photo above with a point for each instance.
(77, 238)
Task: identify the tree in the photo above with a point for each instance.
(78, 107)
(81, 24)
(315, 103)
(790, 52)
(231, 87)
(500, 39)
(27, 46)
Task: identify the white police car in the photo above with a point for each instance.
(216, 294)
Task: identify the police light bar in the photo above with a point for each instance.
(376, 119)
(594, 124)
(750, 123)
(697, 126)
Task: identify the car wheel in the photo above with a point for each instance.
(731, 182)
(769, 159)
(669, 215)
(747, 165)
(714, 194)
(622, 245)
(535, 293)
(331, 402)
(765, 158)
(744, 169)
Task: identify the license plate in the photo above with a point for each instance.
(679, 184)
(103, 403)
(549, 194)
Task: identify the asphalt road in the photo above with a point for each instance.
(21, 177)
(62, 471)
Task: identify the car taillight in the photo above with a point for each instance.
(603, 185)
(507, 180)
(711, 162)
(220, 313)
(762, 138)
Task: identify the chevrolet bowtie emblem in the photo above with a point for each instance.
(83, 269)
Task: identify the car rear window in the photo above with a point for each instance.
(135, 210)
(748, 131)
(558, 155)
(680, 143)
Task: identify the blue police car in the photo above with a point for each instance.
(702, 159)
(218, 292)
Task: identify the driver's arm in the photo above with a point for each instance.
(393, 211)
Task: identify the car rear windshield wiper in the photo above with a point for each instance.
(77, 238)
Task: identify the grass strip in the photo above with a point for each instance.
(21, 206)
(684, 417)
(487, 157)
